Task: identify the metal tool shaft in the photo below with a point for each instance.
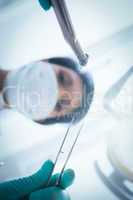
(60, 150)
(65, 22)
(69, 155)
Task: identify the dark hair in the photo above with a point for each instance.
(88, 92)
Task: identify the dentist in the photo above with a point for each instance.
(47, 91)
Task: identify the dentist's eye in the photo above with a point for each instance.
(58, 106)
(64, 79)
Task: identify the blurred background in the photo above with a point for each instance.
(27, 33)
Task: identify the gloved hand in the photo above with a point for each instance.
(34, 186)
(46, 4)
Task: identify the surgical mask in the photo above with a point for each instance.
(32, 90)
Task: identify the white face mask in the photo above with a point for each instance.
(32, 90)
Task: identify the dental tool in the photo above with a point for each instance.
(69, 153)
(66, 25)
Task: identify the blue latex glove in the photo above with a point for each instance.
(34, 186)
(45, 4)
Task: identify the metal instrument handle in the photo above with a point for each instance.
(66, 25)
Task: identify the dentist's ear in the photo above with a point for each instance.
(45, 4)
